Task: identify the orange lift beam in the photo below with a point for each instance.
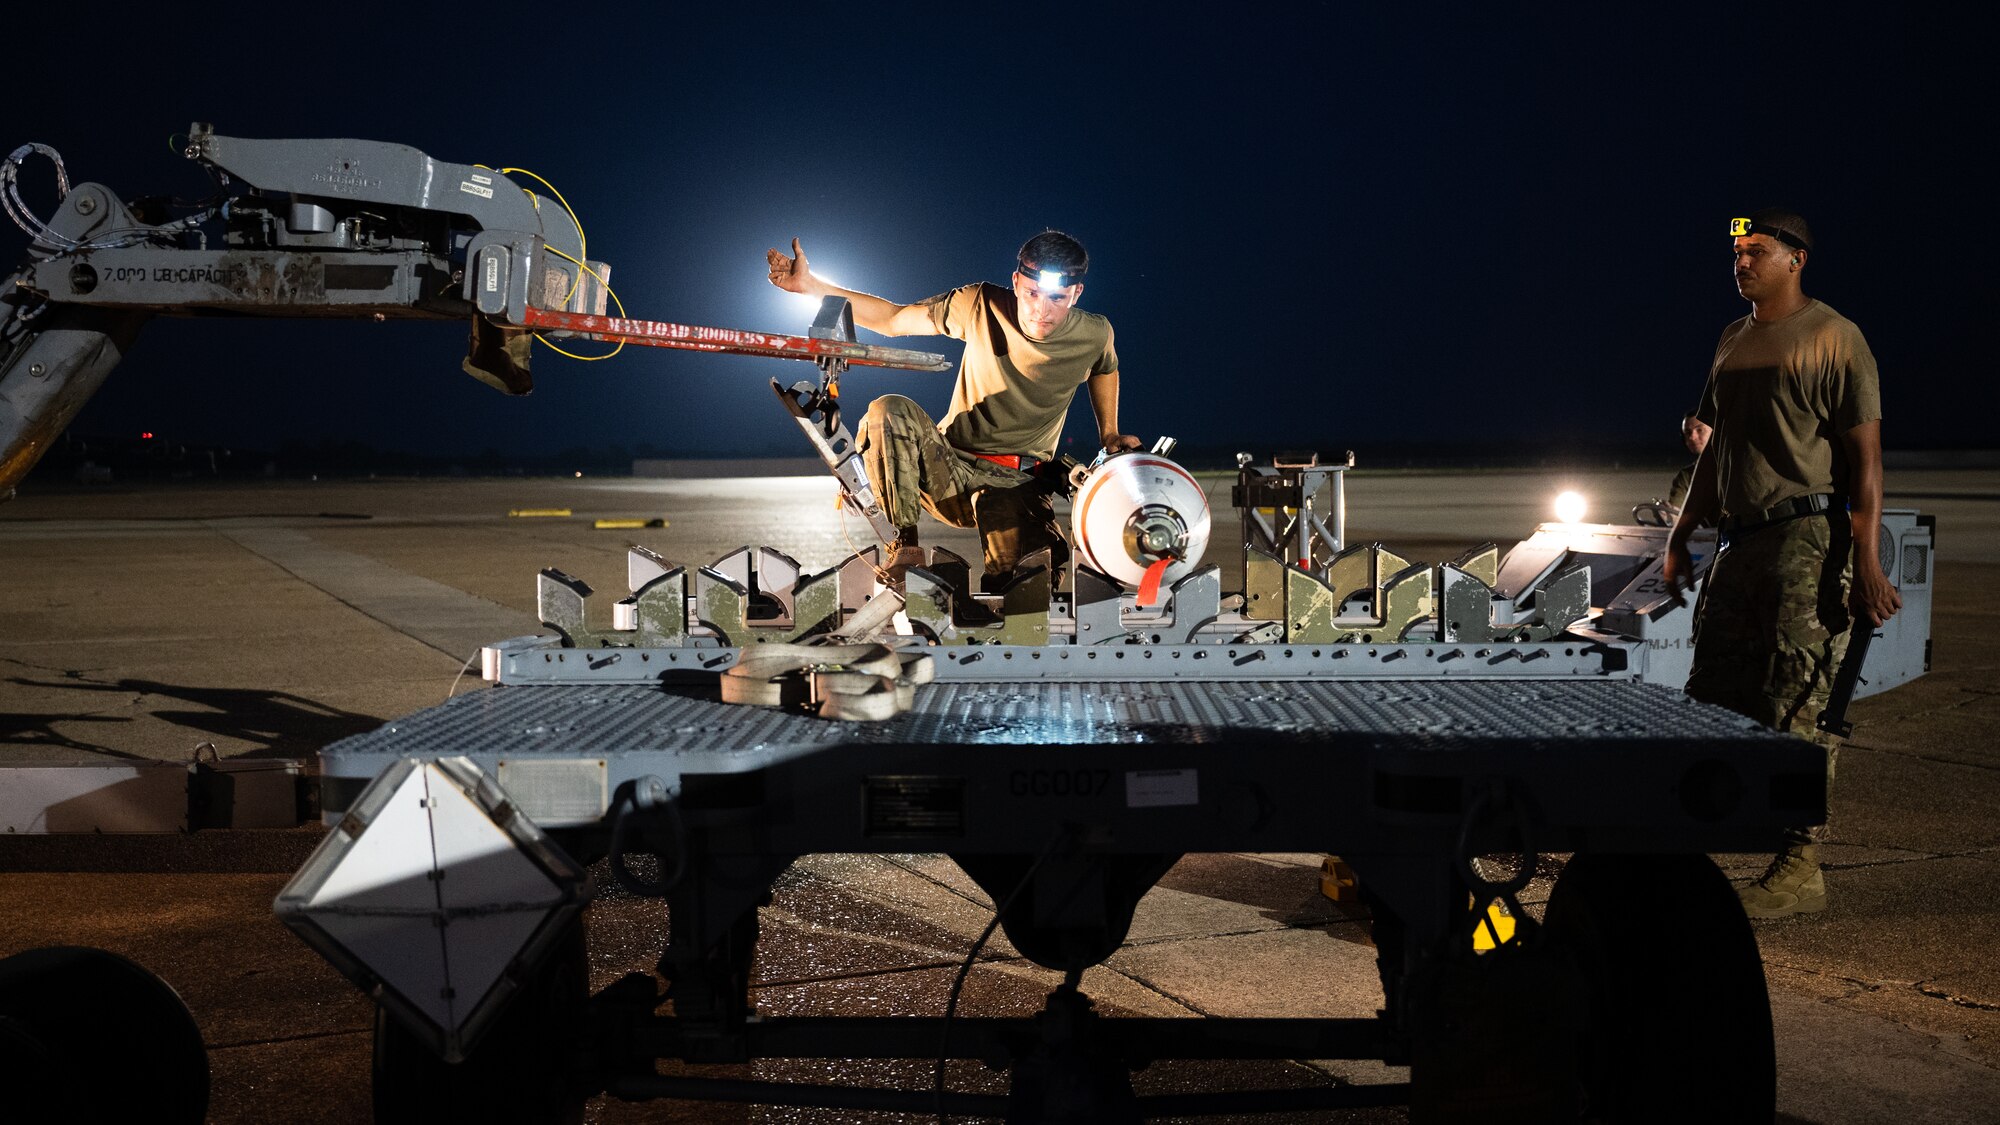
(664, 334)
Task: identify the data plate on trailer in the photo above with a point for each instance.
(557, 791)
(911, 807)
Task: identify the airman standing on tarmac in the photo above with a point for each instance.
(1792, 477)
(1027, 350)
(1694, 434)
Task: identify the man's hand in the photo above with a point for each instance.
(1116, 443)
(1872, 600)
(1677, 567)
(791, 274)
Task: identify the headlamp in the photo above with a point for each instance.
(1050, 279)
(1740, 227)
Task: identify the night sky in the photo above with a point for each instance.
(1311, 225)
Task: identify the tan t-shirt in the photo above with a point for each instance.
(1779, 396)
(1013, 391)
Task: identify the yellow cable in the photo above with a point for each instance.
(582, 248)
(586, 269)
(582, 243)
(613, 293)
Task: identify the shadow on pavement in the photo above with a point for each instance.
(279, 724)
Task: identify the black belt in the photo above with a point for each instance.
(1791, 509)
(1021, 461)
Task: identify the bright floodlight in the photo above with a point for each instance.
(1570, 507)
(805, 300)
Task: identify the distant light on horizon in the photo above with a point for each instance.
(1570, 507)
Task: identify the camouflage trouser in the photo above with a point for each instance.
(913, 468)
(1772, 626)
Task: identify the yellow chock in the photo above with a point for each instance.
(1337, 880)
(605, 525)
(1498, 921)
(518, 513)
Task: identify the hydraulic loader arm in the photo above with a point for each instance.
(50, 365)
(325, 228)
(296, 228)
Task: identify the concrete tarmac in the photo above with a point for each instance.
(270, 619)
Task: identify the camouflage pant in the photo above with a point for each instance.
(914, 469)
(1772, 626)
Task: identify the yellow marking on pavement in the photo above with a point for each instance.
(517, 513)
(607, 525)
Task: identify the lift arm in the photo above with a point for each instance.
(313, 228)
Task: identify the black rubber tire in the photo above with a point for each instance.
(70, 1016)
(1679, 1025)
(517, 1072)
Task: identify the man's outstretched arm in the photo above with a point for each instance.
(794, 275)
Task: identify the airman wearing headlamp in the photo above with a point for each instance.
(1027, 350)
(1792, 479)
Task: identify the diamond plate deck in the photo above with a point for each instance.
(1273, 765)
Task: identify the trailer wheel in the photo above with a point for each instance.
(517, 1072)
(89, 1036)
(1679, 1021)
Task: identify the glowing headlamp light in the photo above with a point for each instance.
(1050, 279)
(1740, 227)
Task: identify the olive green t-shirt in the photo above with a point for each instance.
(1779, 396)
(1013, 391)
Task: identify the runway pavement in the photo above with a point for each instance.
(270, 619)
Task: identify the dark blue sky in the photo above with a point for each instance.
(1312, 225)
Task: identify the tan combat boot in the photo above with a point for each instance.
(1792, 885)
(903, 554)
